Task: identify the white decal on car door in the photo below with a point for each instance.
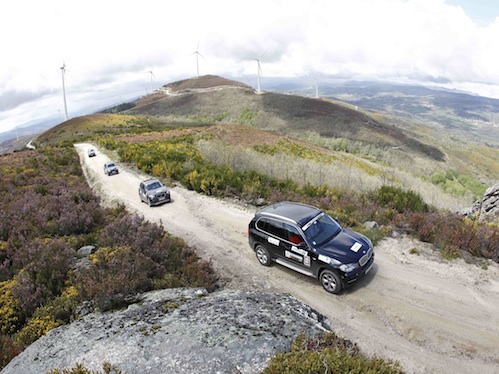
(273, 241)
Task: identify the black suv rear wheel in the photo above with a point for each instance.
(262, 255)
(330, 281)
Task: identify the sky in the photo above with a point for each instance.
(110, 48)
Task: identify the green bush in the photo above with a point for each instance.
(399, 199)
(328, 354)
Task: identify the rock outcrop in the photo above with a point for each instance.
(177, 331)
(486, 209)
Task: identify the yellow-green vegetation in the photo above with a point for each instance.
(458, 184)
(9, 308)
(81, 128)
(247, 117)
(414, 251)
(449, 252)
(328, 354)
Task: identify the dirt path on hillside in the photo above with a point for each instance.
(432, 316)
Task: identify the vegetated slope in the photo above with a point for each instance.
(215, 100)
(84, 127)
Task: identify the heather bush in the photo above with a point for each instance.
(452, 232)
(115, 273)
(8, 349)
(135, 256)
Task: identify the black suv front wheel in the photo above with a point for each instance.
(330, 281)
(262, 255)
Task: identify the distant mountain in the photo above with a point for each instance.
(415, 100)
(453, 110)
(16, 139)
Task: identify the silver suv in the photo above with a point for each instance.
(110, 168)
(153, 192)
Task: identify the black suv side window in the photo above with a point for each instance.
(272, 227)
(292, 234)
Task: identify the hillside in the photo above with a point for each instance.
(203, 100)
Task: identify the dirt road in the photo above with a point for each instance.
(432, 316)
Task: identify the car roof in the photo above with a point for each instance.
(149, 181)
(291, 211)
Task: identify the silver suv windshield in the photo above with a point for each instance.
(153, 186)
(321, 229)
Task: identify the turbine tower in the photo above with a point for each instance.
(63, 70)
(259, 69)
(316, 88)
(152, 75)
(196, 52)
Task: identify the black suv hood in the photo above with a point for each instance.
(343, 246)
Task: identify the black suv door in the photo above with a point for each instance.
(274, 234)
(295, 249)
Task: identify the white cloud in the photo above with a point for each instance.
(109, 46)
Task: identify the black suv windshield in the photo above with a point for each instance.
(321, 229)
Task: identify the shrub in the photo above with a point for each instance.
(327, 354)
(399, 199)
(450, 252)
(35, 328)
(9, 308)
(8, 350)
(55, 313)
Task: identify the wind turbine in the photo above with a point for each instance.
(152, 75)
(316, 87)
(63, 70)
(259, 69)
(196, 52)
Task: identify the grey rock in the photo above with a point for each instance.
(177, 331)
(371, 225)
(86, 250)
(486, 209)
(260, 201)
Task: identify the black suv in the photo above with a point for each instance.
(307, 240)
(153, 192)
